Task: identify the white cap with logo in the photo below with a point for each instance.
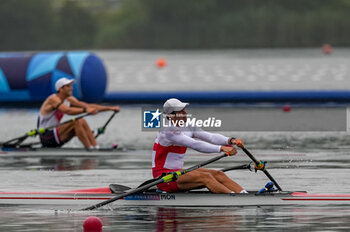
(174, 104)
(62, 82)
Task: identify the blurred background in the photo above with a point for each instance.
(182, 24)
(262, 62)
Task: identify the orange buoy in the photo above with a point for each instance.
(161, 63)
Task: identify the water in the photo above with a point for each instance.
(315, 170)
(316, 161)
(185, 219)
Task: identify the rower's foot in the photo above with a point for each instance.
(94, 147)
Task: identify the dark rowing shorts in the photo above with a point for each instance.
(166, 187)
(50, 139)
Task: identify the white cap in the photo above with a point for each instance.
(62, 82)
(174, 104)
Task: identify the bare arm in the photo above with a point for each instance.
(53, 102)
(91, 108)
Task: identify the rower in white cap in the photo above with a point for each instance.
(63, 102)
(170, 147)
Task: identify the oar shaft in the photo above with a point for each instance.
(68, 121)
(272, 179)
(204, 163)
(243, 166)
(105, 125)
(265, 171)
(250, 156)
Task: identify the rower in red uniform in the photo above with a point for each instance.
(63, 102)
(170, 147)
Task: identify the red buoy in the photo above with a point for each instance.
(286, 108)
(92, 224)
(327, 49)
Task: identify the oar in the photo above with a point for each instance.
(117, 188)
(259, 164)
(243, 166)
(102, 129)
(37, 131)
(164, 179)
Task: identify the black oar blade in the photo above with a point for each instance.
(117, 188)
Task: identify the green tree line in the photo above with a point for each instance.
(173, 24)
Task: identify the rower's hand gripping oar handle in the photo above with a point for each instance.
(261, 166)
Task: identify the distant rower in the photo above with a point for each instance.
(63, 102)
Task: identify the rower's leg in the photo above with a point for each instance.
(221, 177)
(83, 134)
(69, 130)
(198, 178)
(66, 131)
(89, 133)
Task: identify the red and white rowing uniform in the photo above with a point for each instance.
(170, 147)
(51, 138)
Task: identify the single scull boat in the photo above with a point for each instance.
(196, 198)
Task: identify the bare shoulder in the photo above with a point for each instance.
(53, 100)
(49, 104)
(72, 99)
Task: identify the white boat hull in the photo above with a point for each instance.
(77, 200)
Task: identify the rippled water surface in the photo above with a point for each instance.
(317, 171)
(318, 162)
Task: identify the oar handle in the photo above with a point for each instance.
(257, 163)
(204, 163)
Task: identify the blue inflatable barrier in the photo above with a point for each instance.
(31, 76)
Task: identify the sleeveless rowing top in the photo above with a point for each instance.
(52, 118)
